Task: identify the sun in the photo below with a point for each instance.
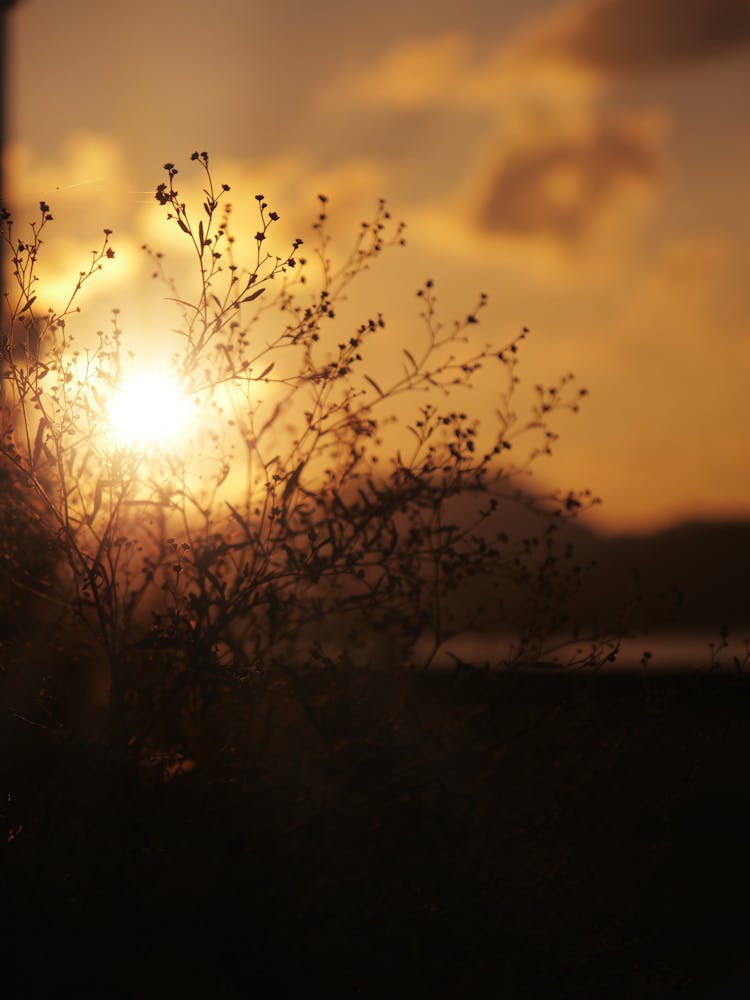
(148, 409)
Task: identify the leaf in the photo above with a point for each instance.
(201, 235)
(182, 302)
(239, 519)
(251, 298)
(411, 358)
(375, 385)
(97, 501)
(39, 441)
(183, 227)
(267, 370)
(28, 305)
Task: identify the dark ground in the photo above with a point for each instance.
(437, 836)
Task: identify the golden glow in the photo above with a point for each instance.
(148, 409)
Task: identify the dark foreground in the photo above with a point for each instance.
(401, 835)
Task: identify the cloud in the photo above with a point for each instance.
(560, 185)
(575, 51)
(454, 70)
(618, 38)
(414, 74)
(85, 172)
(88, 185)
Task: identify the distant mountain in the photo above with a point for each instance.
(695, 575)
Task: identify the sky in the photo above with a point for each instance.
(584, 162)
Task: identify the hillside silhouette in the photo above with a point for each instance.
(689, 576)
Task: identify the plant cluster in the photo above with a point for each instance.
(314, 503)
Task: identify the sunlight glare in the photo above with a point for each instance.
(147, 409)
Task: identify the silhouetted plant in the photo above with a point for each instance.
(312, 505)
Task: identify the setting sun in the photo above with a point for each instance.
(148, 408)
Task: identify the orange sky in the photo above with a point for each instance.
(585, 162)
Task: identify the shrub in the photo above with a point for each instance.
(307, 491)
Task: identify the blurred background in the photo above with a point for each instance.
(585, 162)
